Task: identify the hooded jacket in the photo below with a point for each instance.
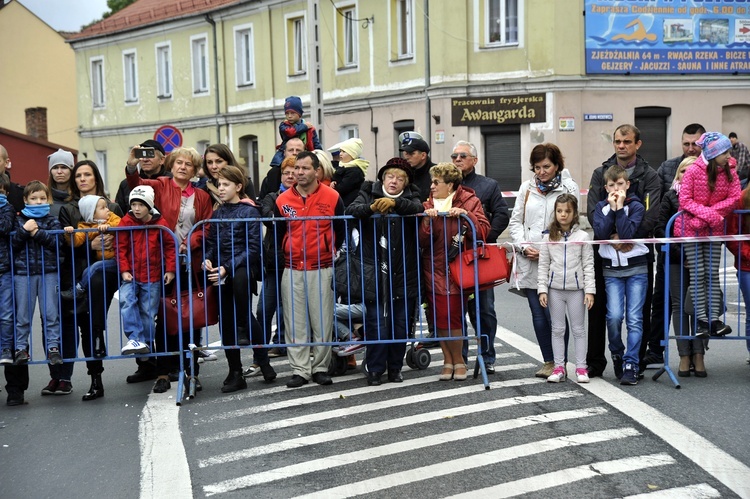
(235, 244)
(567, 267)
(625, 223)
(142, 252)
(38, 254)
(80, 238)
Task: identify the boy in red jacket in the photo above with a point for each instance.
(141, 253)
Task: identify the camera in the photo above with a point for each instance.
(145, 152)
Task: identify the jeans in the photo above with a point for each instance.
(269, 303)
(382, 324)
(542, 325)
(139, 303)
(487, 321)
(744, 278)
(345, 317)
(625, 298)
(6, 311)
(28, 289)
(109, 266)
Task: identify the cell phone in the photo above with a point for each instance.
(145, 152)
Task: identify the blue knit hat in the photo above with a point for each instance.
(293, 103)
(713, 144)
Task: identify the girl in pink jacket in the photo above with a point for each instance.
(709, 192)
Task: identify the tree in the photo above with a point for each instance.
(116, 6)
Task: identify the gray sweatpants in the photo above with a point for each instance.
(558, 302)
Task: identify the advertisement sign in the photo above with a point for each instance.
(500, 110)
(667, 36)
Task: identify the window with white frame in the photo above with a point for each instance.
(101, 163)
(164, 71)
(349, 38)
(199, 46)
(97, 82)
(502, 22)
(405, 28)
(347, 132)
(297, 45)
(244, 56)
(130, 73)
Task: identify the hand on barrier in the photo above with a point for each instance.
(383, 205)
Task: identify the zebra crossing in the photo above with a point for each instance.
(425, 438)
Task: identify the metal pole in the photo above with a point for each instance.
(314, 67)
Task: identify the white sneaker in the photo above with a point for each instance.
(350, 349)
(558, 375)
(135, 347)
(582, 375)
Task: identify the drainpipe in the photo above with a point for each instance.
(428, 104)
(210, 21)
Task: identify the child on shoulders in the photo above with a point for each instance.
(294, 126)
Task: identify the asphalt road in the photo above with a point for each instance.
(422, 438)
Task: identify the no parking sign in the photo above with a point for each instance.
(169, 137)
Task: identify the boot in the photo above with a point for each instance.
(700, 367)
(96, 390)
(268, 373)
(235, 382)
(99, 349)
(243, 336)
(684, 369)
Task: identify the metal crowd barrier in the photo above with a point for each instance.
(686, 323)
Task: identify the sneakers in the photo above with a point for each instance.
(546, 370)
(276, 352)
(582, 375)
(77, 292)
(558, 375)
(204, 356)
(489, 367)
(652, 360)
(135, 347)
(6, 357)
(22, 358)
(350, 349)
(63, 388)
(629, 374)
(51, 387)
(252, 371)
(53, 356)
(718, 328)
(703, 330)
(617, 365)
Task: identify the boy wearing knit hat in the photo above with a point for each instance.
(350, 173)
(294, 126)
(95, 214)
(144, 255)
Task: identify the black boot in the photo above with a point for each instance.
(243, 336)
(96, 390)
(235, 382)
(268, 373)
(99, 348)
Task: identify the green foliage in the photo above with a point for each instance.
(116, 5)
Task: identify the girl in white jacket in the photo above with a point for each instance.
(565, 281)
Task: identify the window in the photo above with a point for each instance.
(201, 146)
(243, 56)
(502, 157)
(97, 82)
(200, 64)
(346, 36)
(652, 122)
(348, 132)
(405, 28)
(101, 163)
(502, 22)
(130, 76)
(297, 46)
(164, 71)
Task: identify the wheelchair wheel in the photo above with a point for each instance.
(341, 366)
(410, 358)
(422, 358)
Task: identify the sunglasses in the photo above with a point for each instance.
(461, 155)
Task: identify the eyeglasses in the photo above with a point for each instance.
(461, 155)
(437, 182)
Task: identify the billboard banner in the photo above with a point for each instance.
(667, 36)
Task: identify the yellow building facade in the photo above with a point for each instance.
(503, 74)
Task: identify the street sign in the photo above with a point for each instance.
(169, 137)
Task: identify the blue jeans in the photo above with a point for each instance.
(100, 266)
(139, 303)
(28, 289)
(625, 299)
(487, 321)
(345, 317)
(744, 279)
(6, 311)
(269, 303)
(540, 318)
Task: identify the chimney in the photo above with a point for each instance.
(36, 122)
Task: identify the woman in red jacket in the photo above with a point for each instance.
(740, 224)
(448, 201)
(182, 206)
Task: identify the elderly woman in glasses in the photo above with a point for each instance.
(448, 205)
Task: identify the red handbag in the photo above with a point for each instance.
(203, 303)
(489, 261)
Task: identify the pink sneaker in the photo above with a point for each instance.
(558, 375)
(582, 375)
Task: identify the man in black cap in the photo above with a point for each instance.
(416, 152)
(150, 168)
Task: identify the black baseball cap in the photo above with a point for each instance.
(411, 145)
(153, 144)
